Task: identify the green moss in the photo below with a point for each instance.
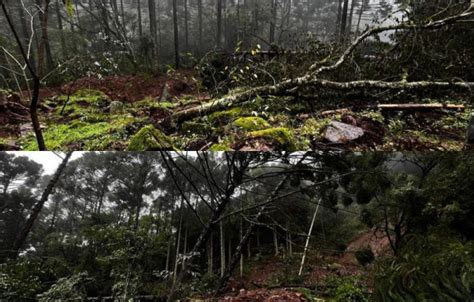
(373, 115)
(82, 103)
(193, 127)
(220, 147)
(282, 136)
(150, 139)
(226, 117)
(314, 127)
(151, 103)
(84, 135)
(251, 123)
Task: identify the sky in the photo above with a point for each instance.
(49, 160)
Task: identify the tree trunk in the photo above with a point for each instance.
(345, 12)
(186, 26)
(60, 29)
(36, 210)
(308, 237)
(178, 244)
(273, 20)
(185, 246)
(153, 31)
(275, 241)
(140, 25)
(222, 248)
(210, 257)
(200, 26)
(36, 83)
(219, 24)
(176, 34)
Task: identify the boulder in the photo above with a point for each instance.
(341, 133)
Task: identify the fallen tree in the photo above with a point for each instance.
(312, 78)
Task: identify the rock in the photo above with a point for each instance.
(341, 133)
(470, 131)
(150, 139)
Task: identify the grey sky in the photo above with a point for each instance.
(49, 160)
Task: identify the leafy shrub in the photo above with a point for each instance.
(20, 280)
(347, 292)
(72, 287)
(430, 268)
(346, 288)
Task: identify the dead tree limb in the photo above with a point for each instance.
(286, 87)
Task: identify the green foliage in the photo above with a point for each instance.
(350, 292)
(439, 267)
(72, 287)
(346, 288)
(20, 279)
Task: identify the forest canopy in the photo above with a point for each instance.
(161, 225)
(226, 75)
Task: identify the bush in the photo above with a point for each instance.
(348, 288)
(347, 292)
(72, 287)
(430, 268)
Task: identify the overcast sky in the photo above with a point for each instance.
(49, 160)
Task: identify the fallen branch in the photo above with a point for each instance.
(399, 107)
(288, 86)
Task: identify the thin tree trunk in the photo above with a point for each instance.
(36, 84)
(178, 244)
(210, 258)
(200, 25)
(275, 241)
(222, 248)
(185, 246)
(307, 239)
(186, 26)
(219, 24)
(140, 25)
(176, 34)
(60, 29)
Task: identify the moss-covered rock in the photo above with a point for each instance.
(150, 139)
(283, 137)
(251, 123)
